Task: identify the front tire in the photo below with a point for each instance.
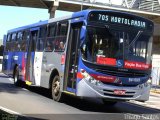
(57, 95)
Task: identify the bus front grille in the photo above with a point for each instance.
(121, 73)
(124, 96)
(128, 94)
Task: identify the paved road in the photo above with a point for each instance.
(36, 102)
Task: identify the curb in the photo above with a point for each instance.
(155, 91)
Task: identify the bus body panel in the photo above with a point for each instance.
(107, 91)
(38, 67)
(51, 62)
(7, 62)
(11, 60)
(23, 66)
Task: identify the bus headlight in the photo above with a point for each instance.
(148, 83)
(89, 78)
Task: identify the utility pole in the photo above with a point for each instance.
(82, 5)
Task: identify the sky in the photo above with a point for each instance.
(13, 17)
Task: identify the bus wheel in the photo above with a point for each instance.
(56, 93)
(107, 102)
(16, 77)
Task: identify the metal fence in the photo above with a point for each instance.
(145, 5)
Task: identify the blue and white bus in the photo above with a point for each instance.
(92, 53)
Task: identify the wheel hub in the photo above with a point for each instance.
(56, 88)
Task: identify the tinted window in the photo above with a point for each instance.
(103, 44)
(7, 48)
(42, 32)
(41, 39)
(51, 30)
(50, 41)
(62, 29)
(60, 39)
(8, 37)
(13, 37)
(25, 37)
(19, 36)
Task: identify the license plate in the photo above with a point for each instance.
(119, 92)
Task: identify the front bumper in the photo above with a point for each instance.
(86, 89)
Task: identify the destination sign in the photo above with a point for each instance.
(117, 19)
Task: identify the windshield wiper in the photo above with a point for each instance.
(135, 39)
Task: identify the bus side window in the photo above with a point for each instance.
(13, 37)
(50, 41)
(24, 41)
(7, 47)
(19, 36)
(19, 40)
(61, 36)
(41, 38)
(62, 29)
(13, 42)
(8, 37)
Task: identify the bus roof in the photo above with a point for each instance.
(85, 13)
(28, 26)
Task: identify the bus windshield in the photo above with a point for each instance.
(113, 45)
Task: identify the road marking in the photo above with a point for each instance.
(9, 111)
(153, 106)
(151, 101)
(11, 79)
(25, 89)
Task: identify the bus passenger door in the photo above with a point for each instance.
(72, 59)
(30, 57)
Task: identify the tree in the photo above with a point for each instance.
(1, 50)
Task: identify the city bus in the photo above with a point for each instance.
(100, 54)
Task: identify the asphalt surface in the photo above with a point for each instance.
(35, 102)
